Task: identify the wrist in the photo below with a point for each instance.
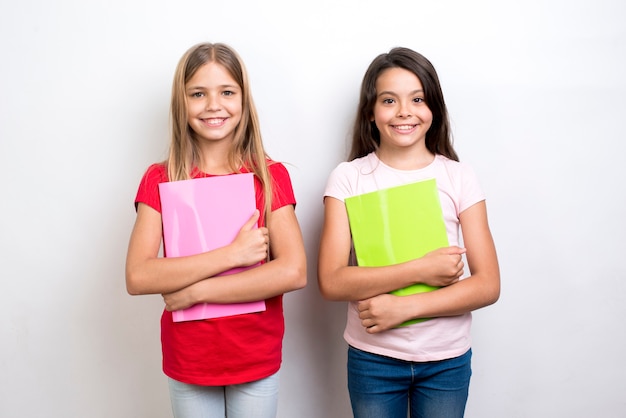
(411, 305)
(197, 292)
(229, 256)
(418, 271)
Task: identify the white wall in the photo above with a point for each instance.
(536, 93)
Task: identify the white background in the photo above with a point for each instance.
(536, 94)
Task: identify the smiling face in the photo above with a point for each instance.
(400, 112)
(214, 103)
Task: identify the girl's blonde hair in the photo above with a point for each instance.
(247, 150)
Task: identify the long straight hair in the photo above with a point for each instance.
(365, 134)
(247, 150)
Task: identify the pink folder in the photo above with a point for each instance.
(203, 214)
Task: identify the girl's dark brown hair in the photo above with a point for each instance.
(365, 135)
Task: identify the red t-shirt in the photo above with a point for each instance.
(229, 350)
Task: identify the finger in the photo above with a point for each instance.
(454, 250)
(368, 322)
(372, 329)
(252, 221)
(461, 266)
(459, 250)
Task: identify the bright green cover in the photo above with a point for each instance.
(398, 224)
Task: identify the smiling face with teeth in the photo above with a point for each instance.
(214, 104)
(400, 111)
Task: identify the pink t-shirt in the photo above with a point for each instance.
(438, 338)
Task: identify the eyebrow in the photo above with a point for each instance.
(223, 86)
(395, 94)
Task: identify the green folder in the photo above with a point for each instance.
(398, 224)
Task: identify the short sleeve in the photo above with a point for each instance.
(339, 182)
(283, 194)
(471, 191)
(148, 192)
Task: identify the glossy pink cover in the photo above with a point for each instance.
(203, 214)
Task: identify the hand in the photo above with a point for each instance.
(251, 244)
(381, 312)
(442, 267)
(180, 299)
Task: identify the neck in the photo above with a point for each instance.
(405, 158)
(214, 158)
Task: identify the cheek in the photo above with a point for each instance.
(236, 111)
(237, 108)
(381, 115)
(193, 108)
(426, 116)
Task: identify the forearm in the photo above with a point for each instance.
(482, 287)
(351, 283)
(439, 268)
(258, 283)
(165, 275)
(467, 295)
(286, 271)
(147, 273)
(340, 282)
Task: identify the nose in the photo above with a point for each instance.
(212, 103)
(404, 110)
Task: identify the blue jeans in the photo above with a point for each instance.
(384, 387)
(258, 399)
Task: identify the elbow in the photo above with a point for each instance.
(493, 293)
(328, 294)
(298, 276)
(324, 290)
(327, 291)
(299, 279)
(133, 283)
(492, 298)
(332, 296)
(131, 288)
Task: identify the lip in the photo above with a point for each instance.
(213, 122)
(404, 128)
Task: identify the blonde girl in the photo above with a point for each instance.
(224, 366)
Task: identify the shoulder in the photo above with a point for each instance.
(461, 180)
(351, 169)
(340, 180)
(344, 178)
(156, 173)
(450, 164)
(456, 169)
(148, 191)
(278, 172)
(276, 168)
(282, 189)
